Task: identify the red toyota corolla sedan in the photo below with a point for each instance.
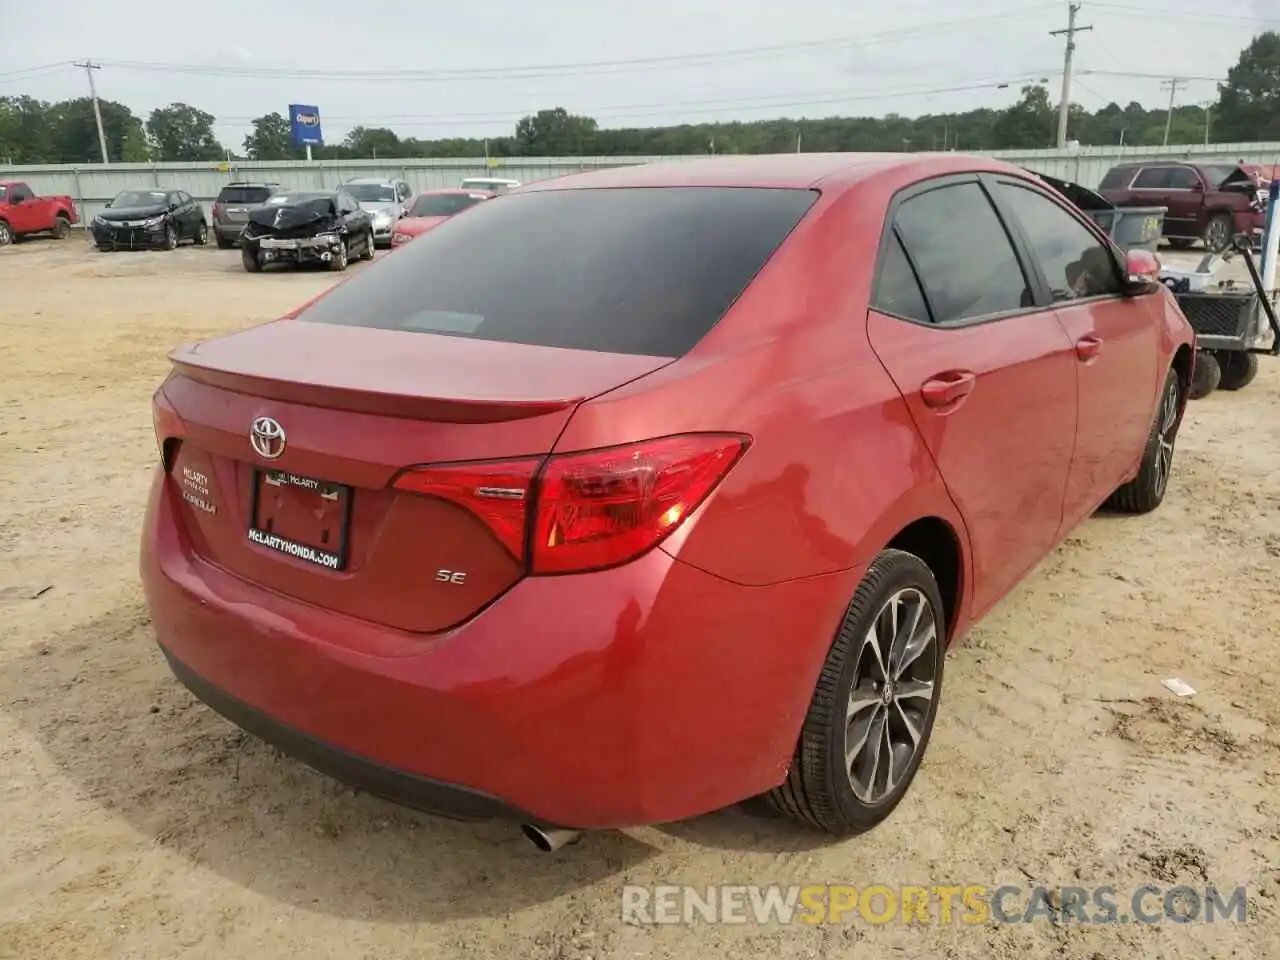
(679, 506)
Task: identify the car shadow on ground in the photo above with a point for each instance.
(100, 703)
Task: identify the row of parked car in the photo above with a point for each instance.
(268, 222)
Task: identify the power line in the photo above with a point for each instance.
(534, 71)
(1164, 13)
(1064, 106)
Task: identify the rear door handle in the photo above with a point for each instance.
(1088, 348)
(947, 388)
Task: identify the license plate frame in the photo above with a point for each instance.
(323, 557)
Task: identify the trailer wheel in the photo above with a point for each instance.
(1205, 378)
(1238, 369)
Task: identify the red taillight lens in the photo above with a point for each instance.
(605, 507)
(496, 492)
(595, 509)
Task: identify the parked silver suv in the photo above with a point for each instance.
(231, 209)
(385, 200)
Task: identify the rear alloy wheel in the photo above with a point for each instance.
(1146, 491)
(367, 252)
(61, 227)
(202, 234)
(872, 712)
(6, 234)
(250, 259)
(170, 237)
(1238, 369)
(1206, 376)
(1217, 232)
(340, 257)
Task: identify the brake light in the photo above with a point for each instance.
(217, 209)
(589, 510)
(605, 507)
(496, 492)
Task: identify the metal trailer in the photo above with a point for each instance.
(1232, 328)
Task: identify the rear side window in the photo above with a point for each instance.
(1076, 264)
(1116, 178)
(640, 270)
(244, 194)
(1154, 178)
(1183, 178)
(898, 292)
(962, 253)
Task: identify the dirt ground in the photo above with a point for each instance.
(136, 823)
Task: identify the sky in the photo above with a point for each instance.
(473, 69)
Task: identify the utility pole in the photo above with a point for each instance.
(1173, 83)
(1208, 119)
(89, 66)
(1064, 106)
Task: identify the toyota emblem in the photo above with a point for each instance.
(267, 438)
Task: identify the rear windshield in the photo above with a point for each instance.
(243, 194)
(645, 270)
(443, 204)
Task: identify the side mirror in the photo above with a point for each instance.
(1141, 273)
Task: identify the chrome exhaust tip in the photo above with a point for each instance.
(548, 839)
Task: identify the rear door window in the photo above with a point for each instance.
(1154, 178)
(640, 270)
(962, 254)
(1183, 178)
(898, 291)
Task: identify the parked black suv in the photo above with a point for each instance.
(232, 208)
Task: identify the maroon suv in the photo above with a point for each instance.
(1206, 201)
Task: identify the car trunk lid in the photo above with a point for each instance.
(293, 433)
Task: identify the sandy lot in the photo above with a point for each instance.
(136, 823)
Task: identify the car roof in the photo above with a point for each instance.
(784, 170)
(380, 181)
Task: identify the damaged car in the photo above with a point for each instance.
(324, 226)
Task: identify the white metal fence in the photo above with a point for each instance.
(93, 184)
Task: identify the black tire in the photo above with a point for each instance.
(367, 252)
(819, 788)
(61, 227)
(341, 257)
(6, 234)
(1219, 231)
(249, 258)
(1206, 376)
(1180, 243)
(1146, 491)
(202, 234)
(223, 243)
(170, 237)
(1238, 369)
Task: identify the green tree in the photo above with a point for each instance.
(1028, 124)
(374, 142)
(1249, 102)
(555, 133)
(269, 139)
(182, 132)
(24, 130)
(73, 132)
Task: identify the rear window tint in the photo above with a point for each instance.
(244, 194)
(637, 270)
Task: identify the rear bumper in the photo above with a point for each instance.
(646, 693)
(228, 231)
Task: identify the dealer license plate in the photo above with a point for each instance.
(301, 517)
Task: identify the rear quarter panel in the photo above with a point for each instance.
(836, 467)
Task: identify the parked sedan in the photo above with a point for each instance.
(432, 208)
(299, 227)
(148, 219)
(681, 506)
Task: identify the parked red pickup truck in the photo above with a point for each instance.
(22, 213)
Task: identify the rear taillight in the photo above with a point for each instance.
(589, 510)
(217, 209)
(496, 492)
